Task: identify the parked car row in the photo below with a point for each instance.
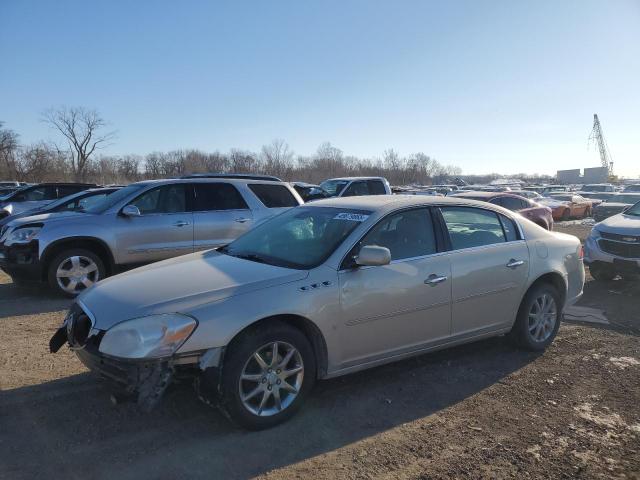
(72, 235)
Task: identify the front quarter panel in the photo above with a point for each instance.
(89, 226)
(314, 297)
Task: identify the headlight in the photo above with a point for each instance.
(154, 336)
(23, 235)
(8, 209)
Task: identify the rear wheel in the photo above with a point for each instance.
(538, 318)
(73, 271)
(602, 273)
(267, 373)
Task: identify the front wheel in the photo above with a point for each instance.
(267, 373)
(538, 318)
(73, 271)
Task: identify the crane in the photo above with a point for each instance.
(597, 137)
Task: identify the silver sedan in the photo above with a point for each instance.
(324, 290)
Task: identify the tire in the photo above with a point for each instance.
(602, 273)
(83, 267)
(240, 359)
(533, 330)
(566, 215)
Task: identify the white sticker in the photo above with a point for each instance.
(354, 217)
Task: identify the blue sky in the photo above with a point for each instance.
(494, 86)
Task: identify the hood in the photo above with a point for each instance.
(621, 224)
(179, 285)
(46, 218)
(19, 207)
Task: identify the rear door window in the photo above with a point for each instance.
(45, 192)
(356, 189)
(513, 204)
(65, 190)
(470, 227)
(217, 196)
(273, 196)
(376, 187)
(509, 227)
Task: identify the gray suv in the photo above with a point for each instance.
(141, 223)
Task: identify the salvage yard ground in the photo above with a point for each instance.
(479, 410)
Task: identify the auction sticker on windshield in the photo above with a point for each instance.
(354, 217)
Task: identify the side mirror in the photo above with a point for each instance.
(373, 256)
(131, 211)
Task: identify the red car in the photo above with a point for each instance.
(535, 212)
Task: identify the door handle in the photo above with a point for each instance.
(181, 223)
(242, 220)
(434, 280)
(513, 263)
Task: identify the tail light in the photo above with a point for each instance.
(580, 252)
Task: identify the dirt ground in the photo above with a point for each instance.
(482, 410)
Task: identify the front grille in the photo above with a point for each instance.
(624, 250)
(621, 238)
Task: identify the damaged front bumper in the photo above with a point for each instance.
(142, 381)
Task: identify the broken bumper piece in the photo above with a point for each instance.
(142, 381)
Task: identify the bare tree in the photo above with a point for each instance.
(81, 128)
(8, 148)
(277, 158)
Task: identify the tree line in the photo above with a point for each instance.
(83, 133)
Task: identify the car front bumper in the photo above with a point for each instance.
(143, 381)
(593, 255)
(21, 261)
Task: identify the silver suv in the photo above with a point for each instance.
(141, 223)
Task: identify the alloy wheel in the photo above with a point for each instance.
(77, 273)
(543, 316)
(271, 379)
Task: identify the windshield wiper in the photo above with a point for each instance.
(254, 257)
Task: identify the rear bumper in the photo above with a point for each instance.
(21, 261)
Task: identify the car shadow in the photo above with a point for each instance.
(18, 300)
(619, 301)
(69, 428)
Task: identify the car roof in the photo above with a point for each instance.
(384, 203)
(245, 176)
(232, 180)
(355, 178)
(482, 194)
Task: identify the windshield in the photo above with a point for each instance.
(629, 199)
(635, 210)
(113, 199)
(333, 187)
(301, 238)
(562, 198)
